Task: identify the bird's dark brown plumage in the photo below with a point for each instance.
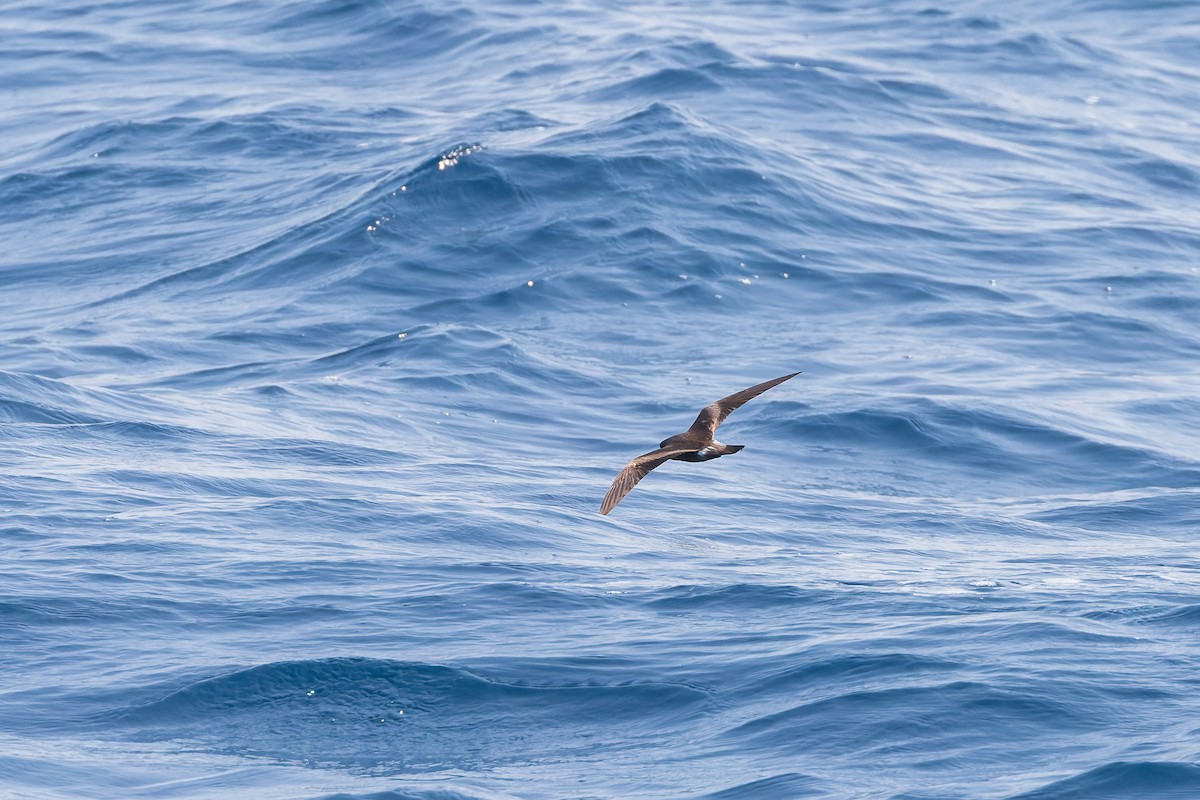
(697, 443)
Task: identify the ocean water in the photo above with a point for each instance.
(325, 326)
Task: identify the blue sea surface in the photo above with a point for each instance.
(325, 326)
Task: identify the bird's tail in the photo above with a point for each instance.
(732, 448)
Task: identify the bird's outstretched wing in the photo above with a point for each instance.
(636, 470)
(714, 414)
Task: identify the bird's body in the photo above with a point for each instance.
(697, 443)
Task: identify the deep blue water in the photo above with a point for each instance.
(325, 326)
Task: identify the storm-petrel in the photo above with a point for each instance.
(697, 443)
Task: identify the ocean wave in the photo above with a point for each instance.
(942, 718)
(787, 784)
(327, 326)
(391, 716)
(1151, 780)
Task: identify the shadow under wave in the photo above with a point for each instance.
(1120, 780)
(988, 443)
(388, 716)
(935, 720)
(788, 784)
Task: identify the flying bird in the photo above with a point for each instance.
(697, 443)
